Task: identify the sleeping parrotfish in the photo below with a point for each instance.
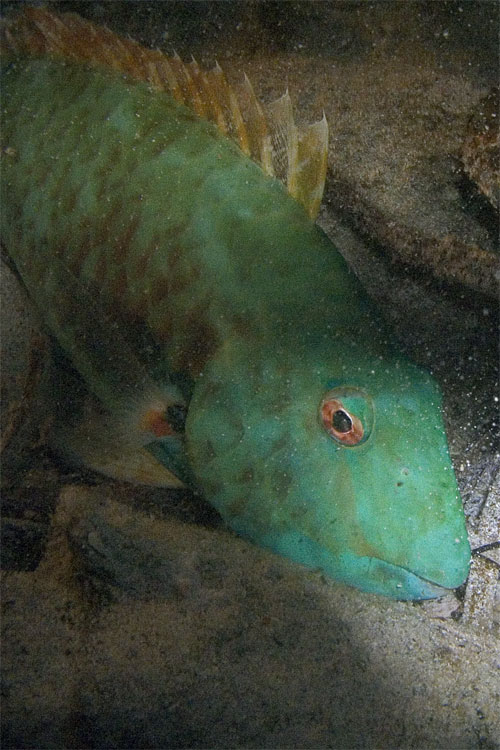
(226, 342)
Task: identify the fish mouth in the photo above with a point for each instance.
(370, 574)
(400, 583)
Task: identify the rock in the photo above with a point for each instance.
(481, 149)
(223, 645)
(22, 543)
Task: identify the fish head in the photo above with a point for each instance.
(348, 473)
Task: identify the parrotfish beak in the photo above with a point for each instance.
(366, 573)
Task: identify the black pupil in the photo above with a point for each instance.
(341, 421)
(176, 416)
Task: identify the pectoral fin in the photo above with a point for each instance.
(99, 442)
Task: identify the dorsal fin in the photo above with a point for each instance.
(267, 134)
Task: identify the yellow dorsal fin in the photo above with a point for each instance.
(284, 139)
(267, 134)
(259, 136)
(312, 163)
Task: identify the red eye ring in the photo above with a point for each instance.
(345, 427)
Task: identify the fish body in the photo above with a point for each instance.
(305, 426)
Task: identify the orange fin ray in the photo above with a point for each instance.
(267, 134)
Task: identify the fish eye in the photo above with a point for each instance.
(347, 414)
(341, 421)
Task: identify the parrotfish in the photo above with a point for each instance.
(225, 341)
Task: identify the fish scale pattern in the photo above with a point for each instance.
(151, 206)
